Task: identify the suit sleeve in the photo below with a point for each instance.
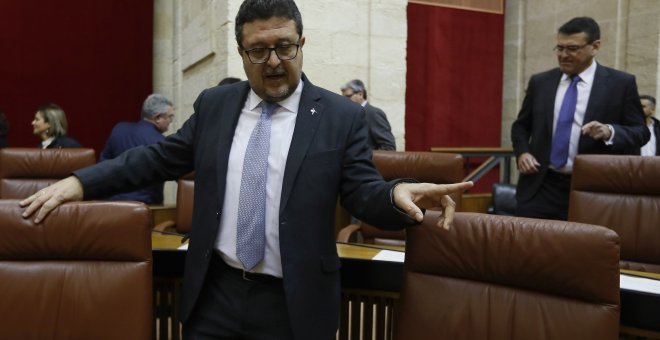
(631, 132)
(521, 129)
(142, 165)
(364, 192)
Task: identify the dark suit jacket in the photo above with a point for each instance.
(613, 100)
(380, 132)
(63, 142)
(125, 136)
(328, 157)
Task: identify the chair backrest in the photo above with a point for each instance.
(621, 193)
(85, 272)
(185, 195)
(429, 167)
(502, 277)
(24, 171)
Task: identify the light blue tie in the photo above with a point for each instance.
(251, 232)
(562, 135)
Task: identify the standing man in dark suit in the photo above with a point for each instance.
(380, 132)
(652, 148)
(283, 281)
(580, 107)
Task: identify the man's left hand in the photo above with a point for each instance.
(597, 130)
(412, 197)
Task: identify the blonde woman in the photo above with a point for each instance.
(50, 125)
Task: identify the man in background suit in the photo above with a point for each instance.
(318, 151)
(156, 118)
(652, 148)
(380, 132)
(608, 119)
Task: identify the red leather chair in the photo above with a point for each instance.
(621, 193)
(24, 171)
(429, 167)
(85, 272)
(508, 278)
(185, 195)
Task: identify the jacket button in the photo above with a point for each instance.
(207, 254)
(217, 215)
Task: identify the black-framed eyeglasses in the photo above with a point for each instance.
(260, 55)
(349, 95)
(569, 48)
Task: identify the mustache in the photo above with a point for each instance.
(274, 72)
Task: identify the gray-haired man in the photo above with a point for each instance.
(380, 132)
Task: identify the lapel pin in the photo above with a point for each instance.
(313, 111)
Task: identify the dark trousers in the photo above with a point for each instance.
(231, 307)
(550, 201)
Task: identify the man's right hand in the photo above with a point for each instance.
(49, 198)
(527, 164)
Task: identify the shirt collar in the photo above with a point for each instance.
(586, 76)
(290, 103)
(46, 143)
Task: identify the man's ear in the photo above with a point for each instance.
(596, 47)
(240, 51)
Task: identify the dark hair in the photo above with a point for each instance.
(647, 97)
(252, 10)
(4, 126)
(579, 25)
(229, 80)
(356, 85)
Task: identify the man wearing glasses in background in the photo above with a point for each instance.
(380, 132)
(271, 156)
(581, 107)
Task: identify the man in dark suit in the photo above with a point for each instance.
(602, 115)
(317, 152)
(155, 120)
(380, 132)
(652, 148)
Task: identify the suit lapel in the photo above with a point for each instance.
(229, 110)
(550, 88)
(310, 111)
(598, 93)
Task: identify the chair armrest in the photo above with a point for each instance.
(345, 233)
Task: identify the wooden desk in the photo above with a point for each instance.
(163, 212)
(370, 292)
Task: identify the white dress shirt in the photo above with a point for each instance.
(649, 148)
(584, 91)
(46, 143)
(283, 122)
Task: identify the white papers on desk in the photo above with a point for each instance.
(639, 284)
(183, 247)
(390, 255)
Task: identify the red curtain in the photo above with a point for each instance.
(454, 79)
(93, 58)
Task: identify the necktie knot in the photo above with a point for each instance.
(575, 79)
(268, 108)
